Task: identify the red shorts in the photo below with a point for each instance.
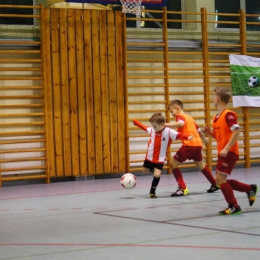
(188, 153)
(226, 164)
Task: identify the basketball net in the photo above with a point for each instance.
(131, 6)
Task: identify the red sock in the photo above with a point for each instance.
(239, 186)
(178, 176)
(228, 194)
(207, 173)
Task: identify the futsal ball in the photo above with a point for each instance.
(253, 82)
(128, 181)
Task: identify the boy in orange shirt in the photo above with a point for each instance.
(161, 138)
(190, 150)
(226, 132)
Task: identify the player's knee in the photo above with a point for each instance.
(174, 164)
(157, 173)
(220, 178)
(146, 170)
(200, 165)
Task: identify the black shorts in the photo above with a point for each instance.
(151, 165)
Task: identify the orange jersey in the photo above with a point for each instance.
(191, 128)
(223, 131)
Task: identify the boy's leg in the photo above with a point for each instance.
(146, 170)
(224, 168)
(178, 176)
(239, 186)
(177, 159)
(155, 182)
(149, 167)
(181, 156)
(197, 158)
(208, 174)
(251, 190)
(182, 189)
(233, 207)
(157, 170)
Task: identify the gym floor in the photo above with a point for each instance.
(98, 219)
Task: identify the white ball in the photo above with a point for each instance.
(253, 82)
(128, 181)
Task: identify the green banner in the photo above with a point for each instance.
(245, 80)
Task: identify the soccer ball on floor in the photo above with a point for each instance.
(128, 181)
(253, 82)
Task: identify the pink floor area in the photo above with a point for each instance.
(98, 219)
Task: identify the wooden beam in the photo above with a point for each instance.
(63, 4)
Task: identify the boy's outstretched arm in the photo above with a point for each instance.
(206, 130)
(140, 125)
(203, 138)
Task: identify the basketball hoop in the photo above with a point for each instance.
(131, 6)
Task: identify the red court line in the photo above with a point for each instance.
(134, 245)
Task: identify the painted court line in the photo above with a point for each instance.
(130, 245)
(171, 222)
(100, 191)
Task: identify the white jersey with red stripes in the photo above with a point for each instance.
(158, 143)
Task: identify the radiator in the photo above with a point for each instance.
(21, 146)
(137, 144)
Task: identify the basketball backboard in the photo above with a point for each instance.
(117, 2)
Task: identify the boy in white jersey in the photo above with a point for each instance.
(161, 138)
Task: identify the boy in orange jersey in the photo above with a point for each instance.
(226, 132)
(161, 138)
(190, 150)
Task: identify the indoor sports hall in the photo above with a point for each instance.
(73, 77)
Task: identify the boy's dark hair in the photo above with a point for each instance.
(223, 94)
(176, 102)
(157, 118)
